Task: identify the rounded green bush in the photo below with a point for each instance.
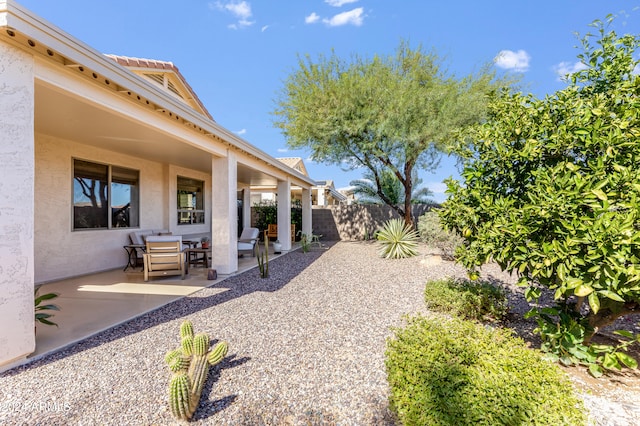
(472, 300)
(456, 372)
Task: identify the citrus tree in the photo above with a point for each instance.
(552, 192)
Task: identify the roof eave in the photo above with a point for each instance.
(16, 18)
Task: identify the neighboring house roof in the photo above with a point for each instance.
(164, 74)
(330, 187)
(295, 163)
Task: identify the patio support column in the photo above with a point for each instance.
(224, 213)
(246, 207)
(284, 213)
(307, 225)
(17, 174)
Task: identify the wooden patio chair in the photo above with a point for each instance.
(164, 256)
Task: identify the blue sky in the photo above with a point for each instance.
(236, 54)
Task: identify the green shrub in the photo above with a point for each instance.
(397, 240)
(432, 233)
(456, 372)
(473, 300)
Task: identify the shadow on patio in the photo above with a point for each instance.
(105, 303)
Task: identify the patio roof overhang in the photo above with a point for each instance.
(84, 96)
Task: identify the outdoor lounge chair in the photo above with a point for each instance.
(248, 239)
(272, 231)
(164, 256)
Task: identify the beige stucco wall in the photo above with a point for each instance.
(61, 252)
(17, 337)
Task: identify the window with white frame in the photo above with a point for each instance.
(190, 201)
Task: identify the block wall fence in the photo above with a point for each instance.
(354, 222)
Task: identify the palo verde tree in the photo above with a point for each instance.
(393, 113)
(552, 192)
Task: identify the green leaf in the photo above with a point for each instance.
(595, 370)
(610, 362)
(611, 295)
(583, 290)
(600, 194)
(627, 360)
(625, 333)
(594, 302)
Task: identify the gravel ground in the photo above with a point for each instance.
(306, 347)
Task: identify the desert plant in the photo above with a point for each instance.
(471, 300)
(433, 234)
(457, 372)
(190, 365)
(40, 315)
(397, 240)
(262, 256)
(308, 240)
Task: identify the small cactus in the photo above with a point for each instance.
(190, 365)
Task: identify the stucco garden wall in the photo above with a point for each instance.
(354, 222)
(16, 204)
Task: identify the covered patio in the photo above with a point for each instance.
(93, 303)
(97, 146)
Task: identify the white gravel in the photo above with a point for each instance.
(306, 347)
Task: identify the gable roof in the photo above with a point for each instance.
(163, 74)
(295, 163)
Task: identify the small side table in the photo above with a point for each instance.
(132, 255)
(194, 260)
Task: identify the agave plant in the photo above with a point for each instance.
(40, 316)
(397, 240)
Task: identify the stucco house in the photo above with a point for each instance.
(94, 146)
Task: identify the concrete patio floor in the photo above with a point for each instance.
(93, 303)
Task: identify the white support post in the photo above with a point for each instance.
(284, 213)
(224, 213)
(307, 225)
(246, 207)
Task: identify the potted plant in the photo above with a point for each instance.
(277, 247)
(205, 242)
(41, 316)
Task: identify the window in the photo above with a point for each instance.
(104, 196)
(190, 201)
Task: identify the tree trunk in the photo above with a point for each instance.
(408, 191)
(606, 317)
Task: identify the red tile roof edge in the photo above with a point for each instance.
(155, 64)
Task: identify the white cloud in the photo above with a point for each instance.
(353, 17)
(241, 132)
(239, 9)
(339, 3)
(311, 19)
(263, 29)
(565, 68)
(510, 60)
(282, 150)
(437, 187)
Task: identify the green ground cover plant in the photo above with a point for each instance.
(471, 300)
(456, 372)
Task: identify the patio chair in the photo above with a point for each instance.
(164, 256)
(272, 231)
(248, 239)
